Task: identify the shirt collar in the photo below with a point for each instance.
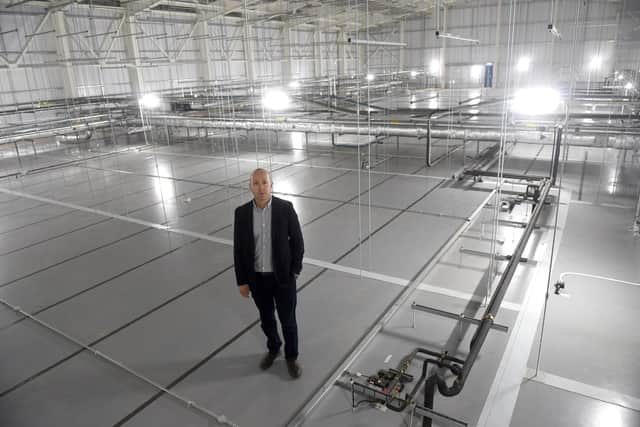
(267, 206)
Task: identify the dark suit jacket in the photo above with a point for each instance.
(287, 245)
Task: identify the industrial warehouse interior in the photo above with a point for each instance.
(466, 175)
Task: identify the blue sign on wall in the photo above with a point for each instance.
(488, 74)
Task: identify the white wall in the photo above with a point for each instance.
(39, 76)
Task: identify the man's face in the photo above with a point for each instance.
(260, 186)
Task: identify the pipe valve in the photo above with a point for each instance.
(558, 285)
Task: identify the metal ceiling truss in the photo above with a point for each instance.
(324, 16)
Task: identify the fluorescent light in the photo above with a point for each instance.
(434, 67)
(276, 99)
(523, 64)
(628, 86)
(595, 62)
(414, 73)
(294, 84)
(476, 71)
(297, 139)
(370, 77)
(620, 77)
(376, 43)
(536, 101)
(454, 37)
(149, 100)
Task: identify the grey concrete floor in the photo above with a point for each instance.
(81, 249)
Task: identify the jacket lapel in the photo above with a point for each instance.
(250, 231)
(274, 230)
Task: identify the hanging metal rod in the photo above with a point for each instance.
(59, 36)
(83, 60)
(119, 36)
(170, 36)
(18, 3)
(40, 33)
(149, 36)
(375, 43)
(8, 31)
(90, 36)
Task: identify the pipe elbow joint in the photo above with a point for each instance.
(449, 391)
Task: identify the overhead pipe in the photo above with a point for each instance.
(465, 134)
(39, 125)
(76, 138)
(56, 131)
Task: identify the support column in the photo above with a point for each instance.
(496, 65)
(362, 49)
(402, 55)
(285, 39)
(317, 54)
(133, 55)
(64, 53)
(249, 54)
(340, 66)
(443, 50)
(203, 46)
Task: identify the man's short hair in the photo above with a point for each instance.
(260, 170)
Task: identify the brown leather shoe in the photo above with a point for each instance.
(268, 360)
(294, 368)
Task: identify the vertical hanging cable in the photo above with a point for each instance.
(572, 83)
(358, 163)
(369, 163)
(502, 149)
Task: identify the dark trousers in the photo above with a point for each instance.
(270, 297)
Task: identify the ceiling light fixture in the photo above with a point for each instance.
(434, 67)
(149, 100)
(536, 101)
(276, 99)
(476, 71)
(523, 64)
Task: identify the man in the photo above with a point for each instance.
(268, 249)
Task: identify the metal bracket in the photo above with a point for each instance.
(450, 315)
(488, 255)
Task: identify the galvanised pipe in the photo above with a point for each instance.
(75, 138)
(14, 130)
(626, 142)
(56, 131)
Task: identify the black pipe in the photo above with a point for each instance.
(557, 141)
(429, 395)
(480, 172)
(494, 305)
